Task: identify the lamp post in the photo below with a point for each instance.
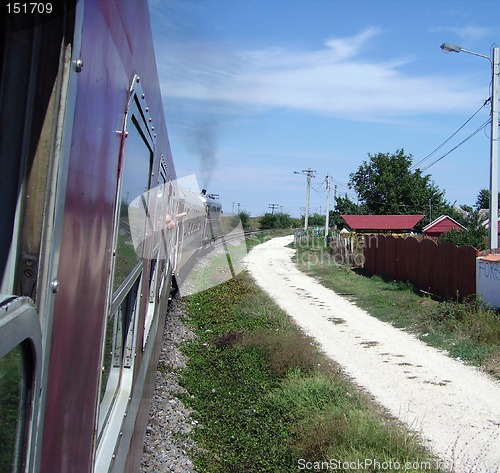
(494, 60)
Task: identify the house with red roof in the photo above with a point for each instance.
(486, 224)
(441, 225)
(382, 223)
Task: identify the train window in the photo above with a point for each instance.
(160, 214)
(20, 351)
(133, 204)
(132, 227)
(12, 393)
(119, 343)
(134, 183)
(151, 307)
(174, 207)
(134, 243)
(160, 252)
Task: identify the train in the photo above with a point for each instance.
(94, 230)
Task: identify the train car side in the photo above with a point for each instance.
(213, 210)
(100, 303)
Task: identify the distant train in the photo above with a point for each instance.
(84, 284)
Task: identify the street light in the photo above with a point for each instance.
(494, 60)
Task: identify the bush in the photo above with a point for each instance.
(474, 236)
(275, 220)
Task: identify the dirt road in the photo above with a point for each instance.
(455, 407)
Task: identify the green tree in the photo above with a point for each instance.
(386, 185)
(315, 220)
(244, 216)
(283, 220)
(275, 220)
(344, 206)
(483, 199)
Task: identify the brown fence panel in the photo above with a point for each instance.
(410, 260)
(443, 269)
(370, 252)
(425, 276)
(401, 273)
(390, 257)
(467, 271)
(446, 270)
(380, 255)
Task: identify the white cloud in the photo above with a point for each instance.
(469, 33)
(334, 80)
(348, 47)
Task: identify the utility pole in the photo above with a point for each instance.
(493, 234)
(327, 221)
(272, 207)
(309, 174)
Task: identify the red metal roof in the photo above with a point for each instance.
(442, 225)
(382, 222)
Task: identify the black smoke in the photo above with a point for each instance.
(202, 143)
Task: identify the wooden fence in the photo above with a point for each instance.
(442, 269)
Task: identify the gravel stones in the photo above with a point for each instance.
(167, 447)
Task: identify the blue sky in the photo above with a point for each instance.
(263, 88)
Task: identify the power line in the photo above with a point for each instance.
(475, 132)
(320, 190)
(416, 165)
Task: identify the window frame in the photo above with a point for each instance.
(127, 299)
(20, 327)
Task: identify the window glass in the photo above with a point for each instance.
(133, 211)
(119, 348)
(132, 229)
(12, 396)
(161, 211)
(159, 253)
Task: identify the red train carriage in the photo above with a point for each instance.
(83, 134)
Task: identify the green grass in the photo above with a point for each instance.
(266, 398)
(467, 330)
(126, 259)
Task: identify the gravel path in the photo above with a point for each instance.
(167, 447)
(453, 406)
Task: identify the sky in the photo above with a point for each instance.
(254, 90)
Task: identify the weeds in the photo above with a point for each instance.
(266, 398)
(284, 350)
